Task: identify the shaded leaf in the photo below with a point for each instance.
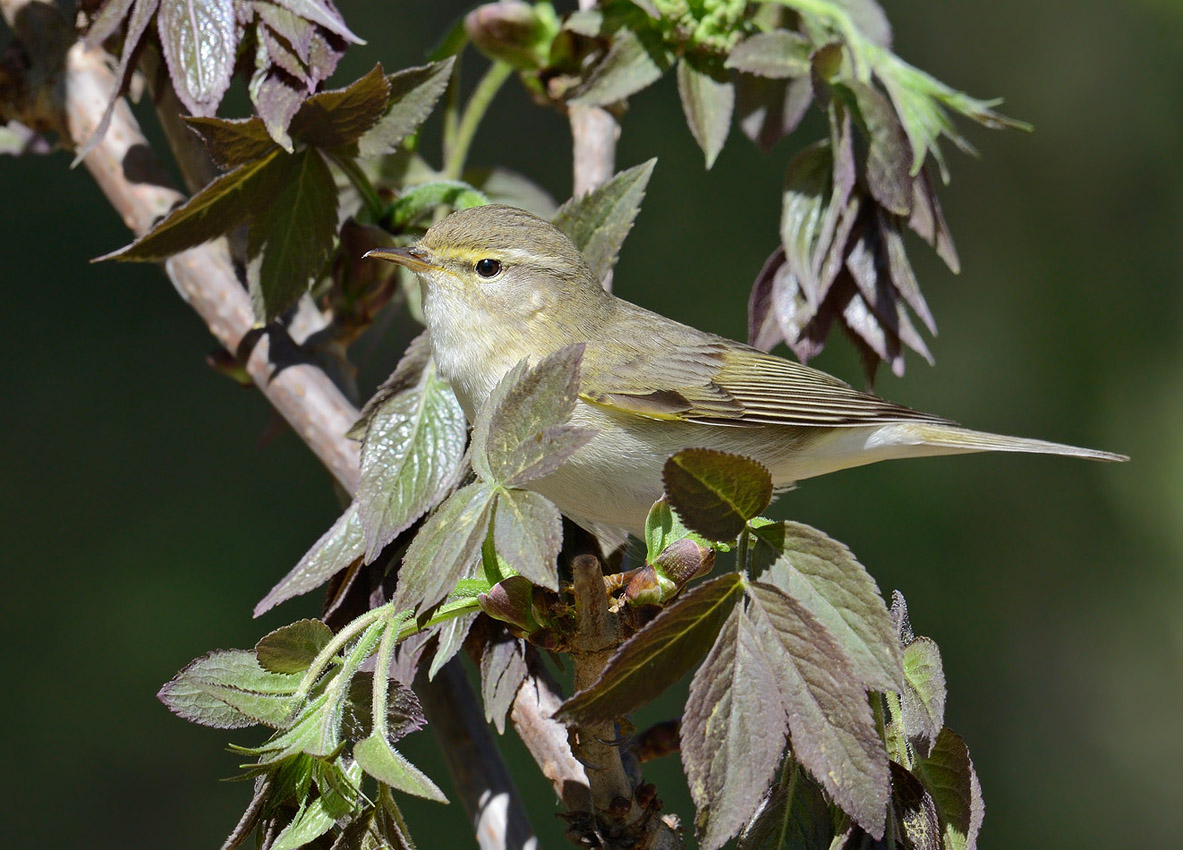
(232, 142)
(446, 548)
(658, 655)
(708, 99)
(292, 648)
(733, 731)
(220, 206)
(335, 118)
(451, 640)
(413, 94)
(716, 493)
(295, 234)
(928, 220)
(404, 714)
(528, 534)
(199, 40)
(793, 816)
(802, 226)
(519, 434)
(778, 54)
(406, 376)
(831, 729)
(107, 21)
(277, 97)
(824, 576)
(948, 774)
(340, 547)
(323, 13)
(227, 689)
(420, 200)
(902, 276)
(634, 61)
(599, 221)
(916, 818)
(412, 455)
(767, 109)
(889, 156)
(386, 764)
(319, 816)
(503, 669)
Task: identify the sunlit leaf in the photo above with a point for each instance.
(733, 731)
(418, 201)
(292, 648)
(199, 39)
(413, 94)
(412, 455)
(296, 233)
(446, 548)
(831, 730)
(277, 97)
(335, 118)
(316, 818)
(220, 206)
(228, 689)
(388, 765)
(633, 62)
(889, 154)
(323, 13)
(708, 99)
(599, 221)
(450, 640)
(716, 493)
(659, 654)
(520, 433)
(823, 575)
(528, 534)
(778, 54)
(338, 548)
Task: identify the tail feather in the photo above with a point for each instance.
(960, 439)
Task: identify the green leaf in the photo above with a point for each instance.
(227, 689)
(446, 548)
(218, 208)
(520, 433)
(716, 493)
(413, 94)
(733, 731)
(323, 13)
(295, 233)
(340, 547)
(708, 99)
(599, 221)
(420, 200)
(199, 39)
(412, 455)
(503, 669)
(915, 812)
(633, 62)
(779, 54)
(336, 118)
(292, 648)
(823, 575)
(831, 729)
(528, 534)
(662, 527)
(922, 699)
(318, 817)
(658, 655)
(232, 142)
(386, 764)
(406, 376)
(948, 774)
(794, 816)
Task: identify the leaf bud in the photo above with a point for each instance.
(517, 33)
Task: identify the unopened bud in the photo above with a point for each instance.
(510, 601)
(517, 33)
(684, 560)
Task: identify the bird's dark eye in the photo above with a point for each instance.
(488, 267)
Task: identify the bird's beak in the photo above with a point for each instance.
(413, 258)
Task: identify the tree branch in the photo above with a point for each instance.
(73, 92)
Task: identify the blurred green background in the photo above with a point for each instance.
(142, 518)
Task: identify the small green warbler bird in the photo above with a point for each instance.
(500, 285)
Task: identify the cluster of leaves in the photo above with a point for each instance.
(846, 200)
(807, 690)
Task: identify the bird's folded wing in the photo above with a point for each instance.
(716, 382)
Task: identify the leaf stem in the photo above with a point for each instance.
(478, 103)
(382, 676)
(361, 182)
(743, 551)
(387, 799)
(348, 633)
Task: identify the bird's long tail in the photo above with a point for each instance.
(955, 439)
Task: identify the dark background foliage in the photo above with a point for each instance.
(142, 519)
